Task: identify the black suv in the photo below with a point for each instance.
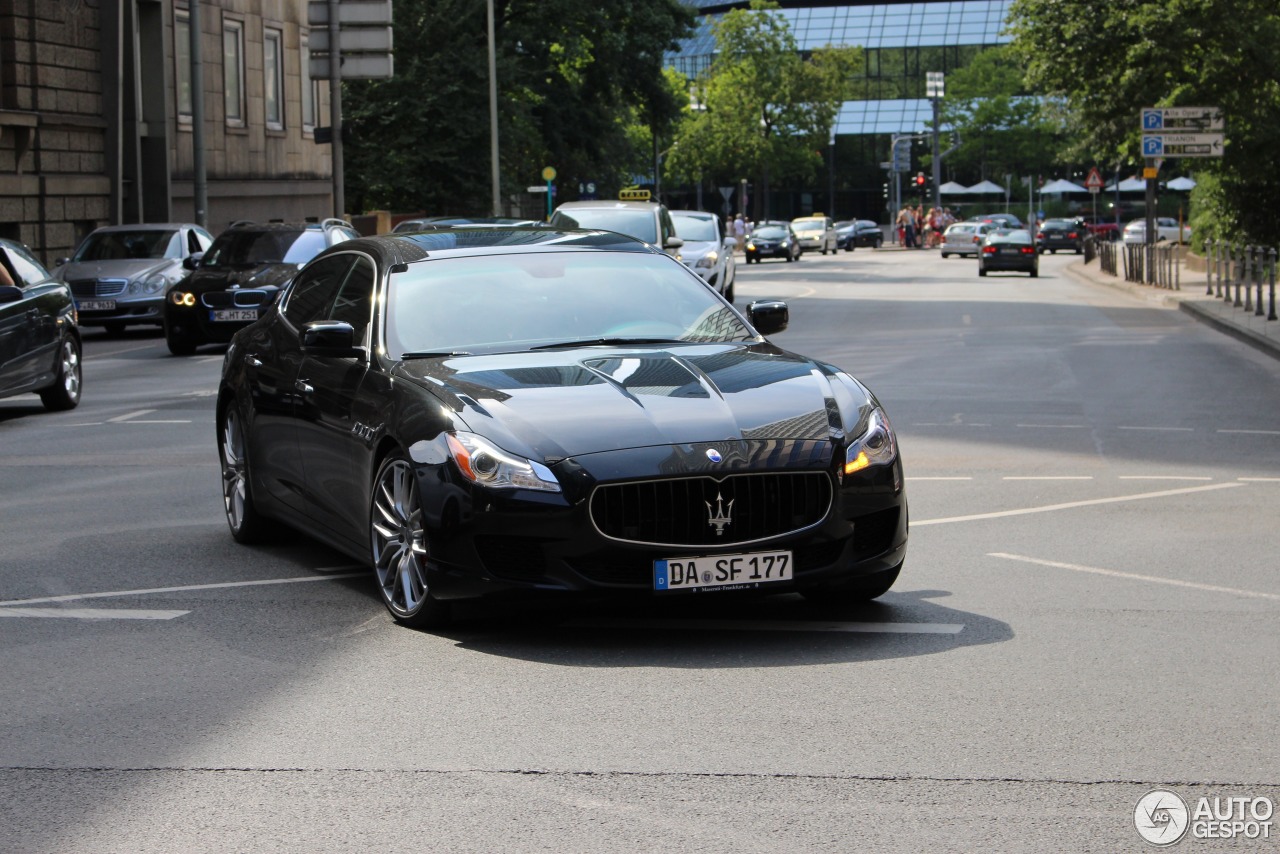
(240, 276)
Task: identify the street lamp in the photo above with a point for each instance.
(934, 87)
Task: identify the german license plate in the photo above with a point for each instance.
(741, 570)
(96, 305)
(230, 314)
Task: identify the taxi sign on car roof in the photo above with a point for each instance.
(632, 194)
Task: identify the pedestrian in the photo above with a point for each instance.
(739, 232)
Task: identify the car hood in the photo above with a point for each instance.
(568, 403)
(125, 268)
(261, 276)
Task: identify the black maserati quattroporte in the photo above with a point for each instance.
(477, 411)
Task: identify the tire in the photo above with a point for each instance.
(728, 294)
(179, 345)
(114, 328)
(791, 257)
(946, 254)
(856, 591)
(982, 271)
(65, 392)
(1035, 274)
(398, 546)
(247, 525)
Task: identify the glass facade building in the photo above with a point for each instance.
(900, 42)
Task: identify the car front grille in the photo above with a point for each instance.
(873, 533)
(89, 288)
(240, 298)
(705, 511)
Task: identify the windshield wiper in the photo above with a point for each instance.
(609, 342)
(432, 354)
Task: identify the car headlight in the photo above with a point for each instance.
(708, 260)
(751, 246)
(182, 298)
(154, 284)
(876, 447)
(484, 463)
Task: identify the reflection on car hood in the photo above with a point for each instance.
(124, 268)
(562, 404)
(264, 276)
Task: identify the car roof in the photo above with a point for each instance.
(609, 204)
(464, 241)
(700, 214)
(148, 226)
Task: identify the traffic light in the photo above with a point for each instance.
(920, 179)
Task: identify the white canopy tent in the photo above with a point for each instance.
(1063, 186)
(951, 188)
(1181, 184)
(986, 187)
(1128, 185)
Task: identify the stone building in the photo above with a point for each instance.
(96, 116)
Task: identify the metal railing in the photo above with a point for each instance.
(1242, 275)
(1149, 264)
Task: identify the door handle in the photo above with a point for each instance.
(304, 387)
(254, 362)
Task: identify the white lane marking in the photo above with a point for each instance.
(1162, 477)
(128, 415)
(773, 626)
(1050, 477)
(207, 359)
(1260, 479)
(1054, 426)
(91, 613)
(1000, 514)
(938, 478)
(85, 424)
(1169, 429)
(1254, 432)
(75, 597)
(188, 421)
(1133, 576)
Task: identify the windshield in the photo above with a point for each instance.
(119, 245)
(808, 226)
(695, 228)
(640, 224)
(251, 248)
(505, 303)
(771, 232)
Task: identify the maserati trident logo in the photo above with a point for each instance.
(714, 455)
(718, 516)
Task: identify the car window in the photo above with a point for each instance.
(701, 228)
(28, 269)
(119, 245)
(315, 289)
(640, 224)
(354, 302)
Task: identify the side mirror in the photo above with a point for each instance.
(333, 338)
(60, 262)
(730, 243)
(192, 261)
(768, 315)
(673, 242)
(10, 293)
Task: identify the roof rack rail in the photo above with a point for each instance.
(240, 222)
(333, 220)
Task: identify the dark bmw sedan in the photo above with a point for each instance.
(1062, 234)
(773, 241)
(1010, 250)
(509, 411)
(242, 273)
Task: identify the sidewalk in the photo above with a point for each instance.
(1249, 327)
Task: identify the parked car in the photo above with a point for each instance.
(1009, 250)
(240, 277)
(1055, 234)
(773, 240)
(965, 238)
(1108, 230)
(865, 232)
(1166, 229)
(1005, 220)
(119, 273)
(816, 233)
(39, 339)
(646, 221)
(537, 410)
(706, 250)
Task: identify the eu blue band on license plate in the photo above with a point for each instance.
(743, 570)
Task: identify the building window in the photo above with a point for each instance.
(273, 77)
(233, 71)
(182, 61)
(310, 92)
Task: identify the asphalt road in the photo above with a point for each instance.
(1088, 612)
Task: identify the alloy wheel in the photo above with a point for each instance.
(234, 474)
(398, 540)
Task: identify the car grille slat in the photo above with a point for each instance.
(680, 511)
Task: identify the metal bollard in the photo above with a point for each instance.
(1221, 252)
(1237, 274)
(1271, 257)
(1209, 257)
(1249, 266)
(1259, 274)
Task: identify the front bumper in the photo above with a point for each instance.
(767, 251)
(127, 310)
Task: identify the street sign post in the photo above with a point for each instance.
(1189, 119)
(1094, 182)
(1182, 145)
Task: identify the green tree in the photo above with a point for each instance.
(572, 76)
(1107, 59)
(1003, 128)
(763, 109)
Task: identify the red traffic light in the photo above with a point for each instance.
(920, 179)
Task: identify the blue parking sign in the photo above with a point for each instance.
(1152, 146)
(1152, 119)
